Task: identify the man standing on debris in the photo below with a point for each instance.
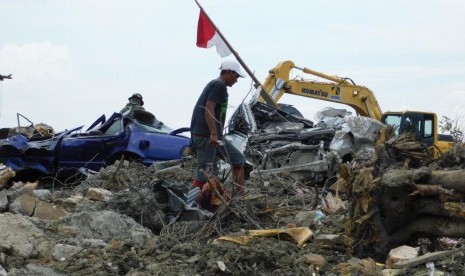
(207, 123)
(135, 103)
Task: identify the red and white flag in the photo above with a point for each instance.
(207, 36)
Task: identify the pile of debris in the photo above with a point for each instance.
(391, 208)
(402, 196)
(30, 132)
(124, 220)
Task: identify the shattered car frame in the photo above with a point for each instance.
(282, 141)
(137, 137)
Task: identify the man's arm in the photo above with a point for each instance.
(210, 119)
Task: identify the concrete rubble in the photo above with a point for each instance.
(128, 219)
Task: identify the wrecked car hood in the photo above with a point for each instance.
(276, 141)
(19, 153)
(282, 141)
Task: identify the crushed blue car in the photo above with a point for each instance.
(138, 137)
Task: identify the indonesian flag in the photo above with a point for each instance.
(207, 36)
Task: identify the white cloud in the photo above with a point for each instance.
(89, 56)
(41, 72)
(36, 61)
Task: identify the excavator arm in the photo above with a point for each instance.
(360, 98)
(338, 90)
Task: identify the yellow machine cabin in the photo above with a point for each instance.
(423, 124)
(360, 98)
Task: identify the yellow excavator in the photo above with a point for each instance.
(360, 98)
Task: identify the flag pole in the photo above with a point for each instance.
(263, 93)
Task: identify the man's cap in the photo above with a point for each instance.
(137, 96)
(233, 66)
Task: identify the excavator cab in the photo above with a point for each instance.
(422, 125)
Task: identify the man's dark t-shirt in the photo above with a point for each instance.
(217, 92)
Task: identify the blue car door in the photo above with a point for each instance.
(90, 150)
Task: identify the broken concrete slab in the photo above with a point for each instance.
(34, 269)
(24, 205)
(95, 243)
(70, 203)
(31, 206)
(48, 211)
(62, 252)
(109, 225)
(42, 194)
(22, 238)
(3, 200)
(98, 194)
(19, 188)
(31, 186)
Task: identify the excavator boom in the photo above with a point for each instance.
(360, 98)
(339, 90)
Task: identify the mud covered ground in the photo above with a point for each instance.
(177, 244)
(191, 247)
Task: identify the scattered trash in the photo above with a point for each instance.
(431, 268)
(221, 266)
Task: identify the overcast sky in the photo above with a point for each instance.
(75, 60)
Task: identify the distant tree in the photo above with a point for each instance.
(456, 126)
